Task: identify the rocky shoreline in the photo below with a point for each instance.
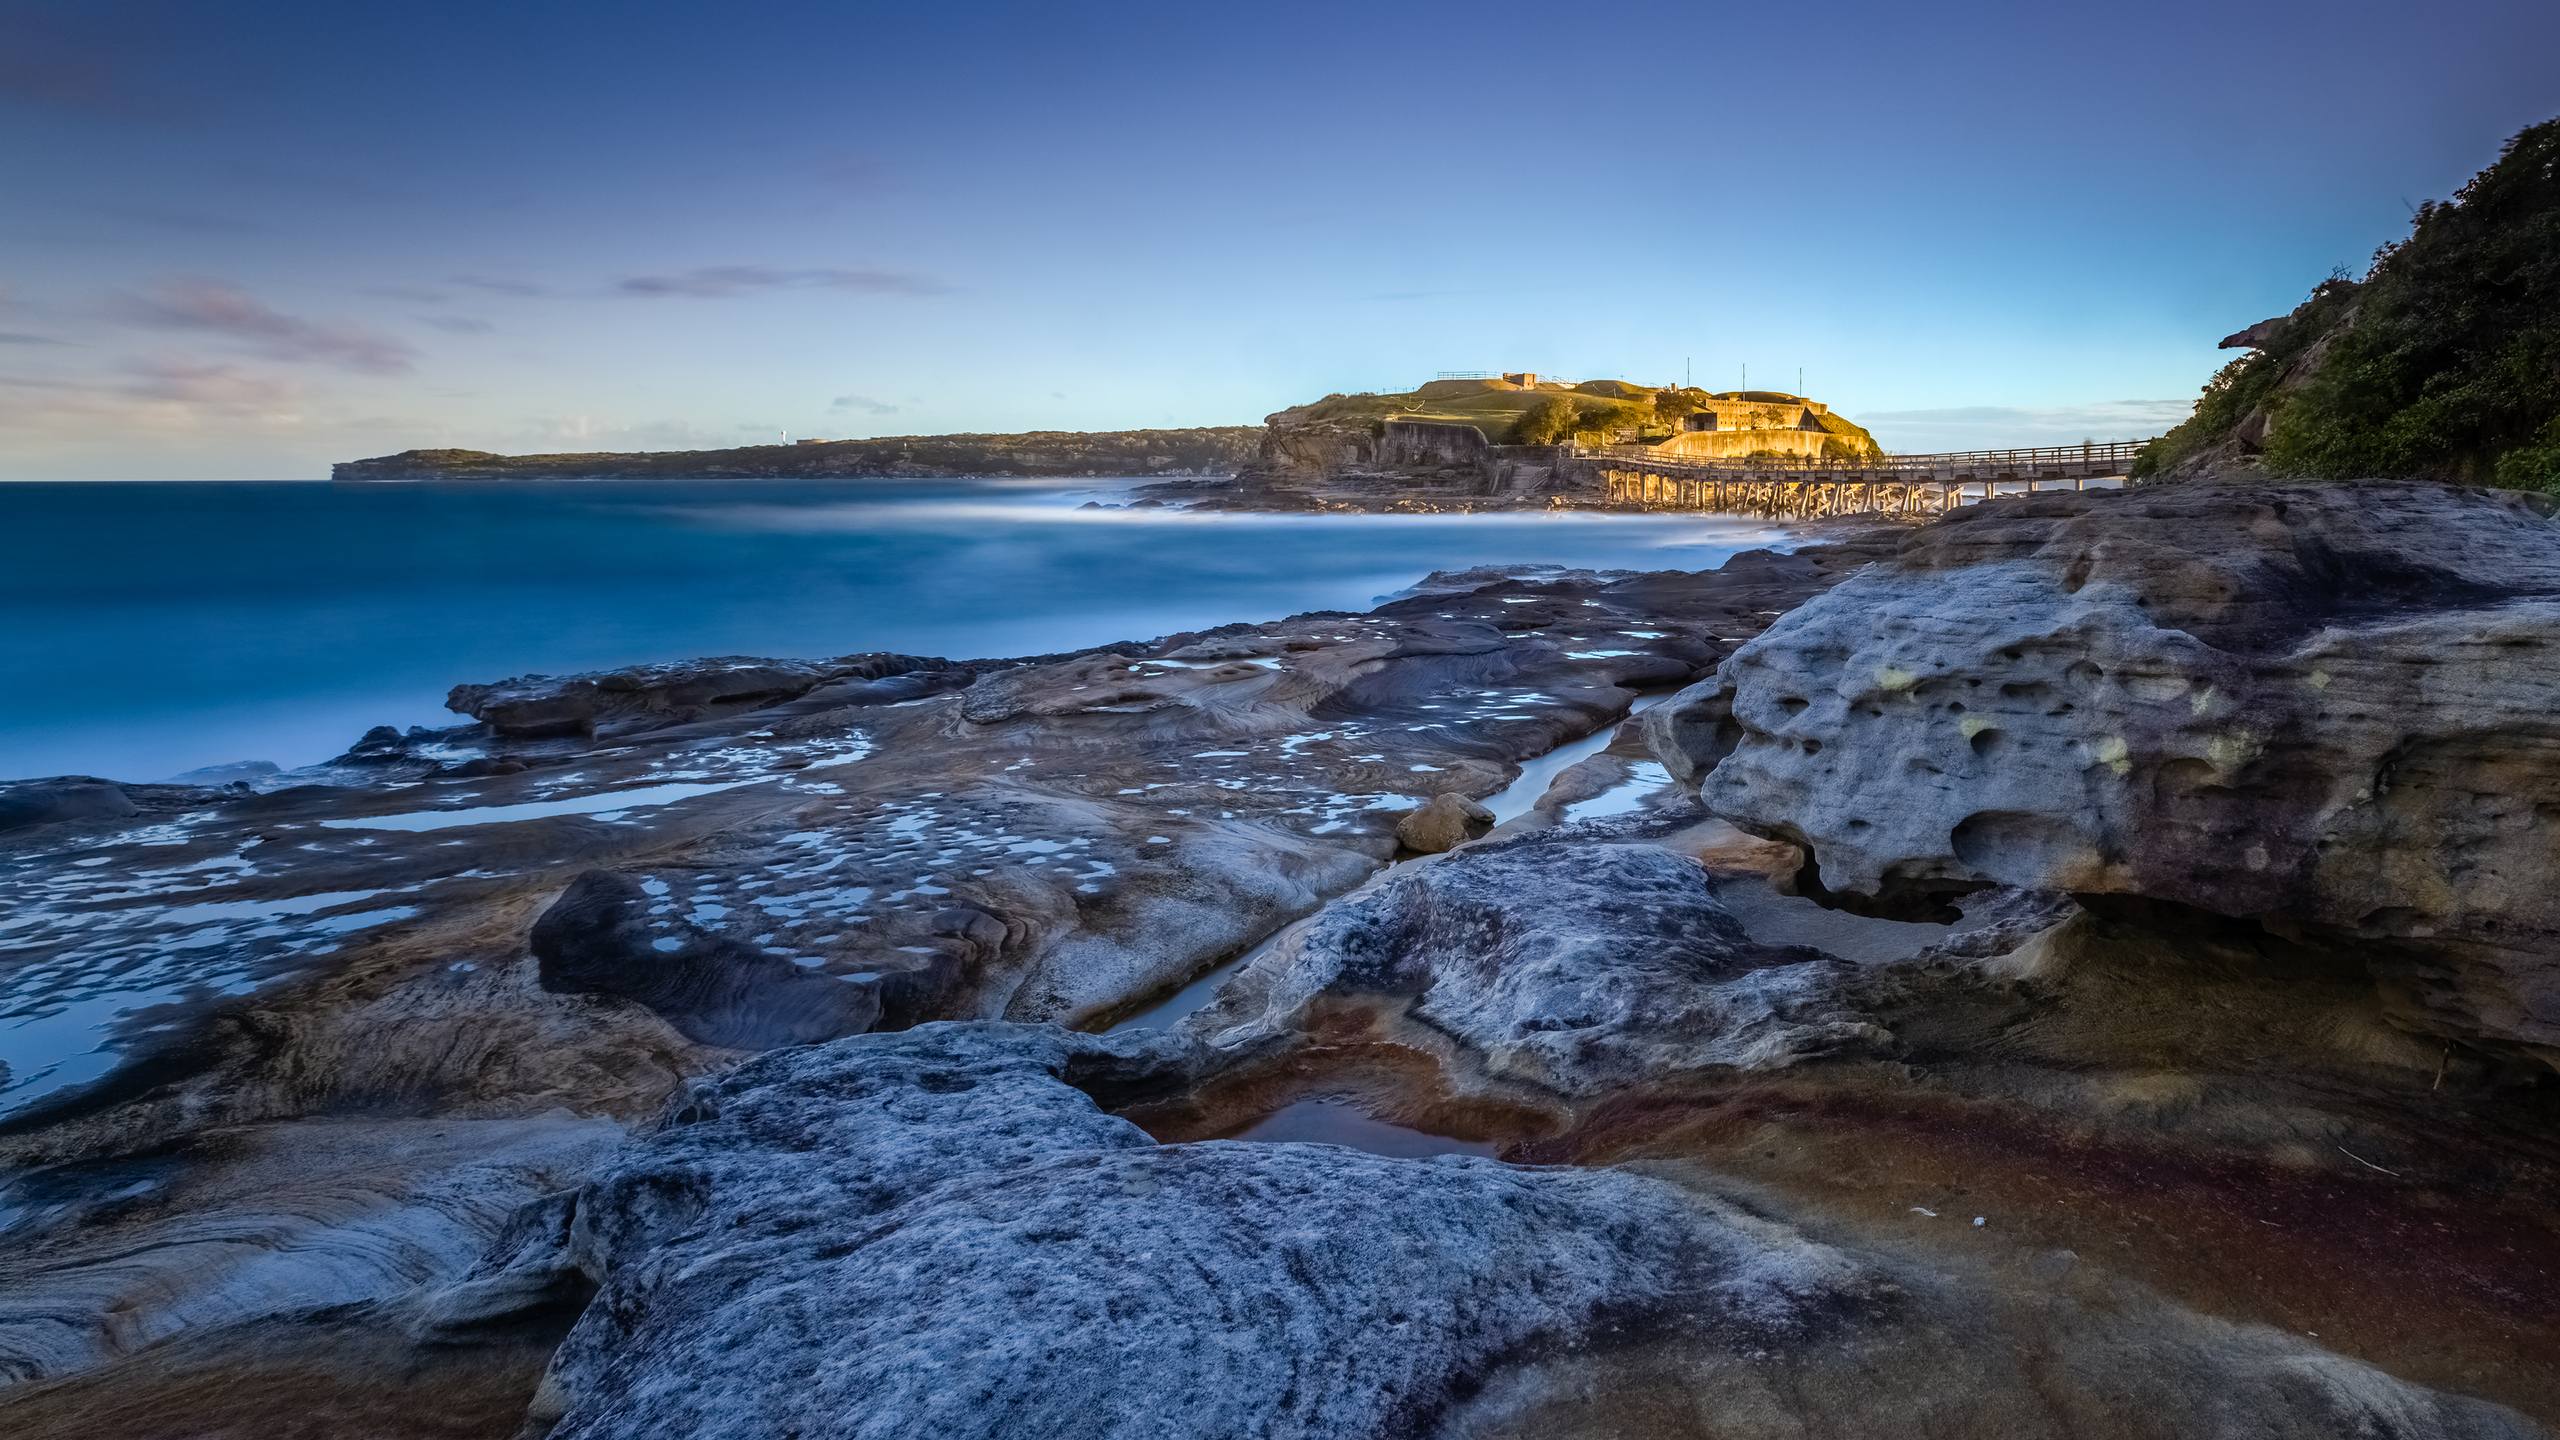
(2084, 965)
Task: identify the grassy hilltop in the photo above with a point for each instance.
(1547, 413)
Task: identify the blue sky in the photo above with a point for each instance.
(242, 241)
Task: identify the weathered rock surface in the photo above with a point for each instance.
(726, 860)
(1570, 965)
(533, 705)
(597, 939)
(2332, 709)
(46, 802)
(941, 1232)
(1447, 821)
(99, 1261)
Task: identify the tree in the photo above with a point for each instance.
(1549, 422)
(1607, 421)
(1673, 406)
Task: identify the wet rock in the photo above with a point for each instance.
(1446, 822)
(598, 939)
(535, 705)
(49, 802)
(1570, 965)
(941, 1232)
(360, 947)
(268, 1221)
(2330, 708)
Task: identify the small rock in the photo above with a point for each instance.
(1447, 822)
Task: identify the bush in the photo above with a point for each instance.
(1549, 422)
(2444, 363)
(1605, 422)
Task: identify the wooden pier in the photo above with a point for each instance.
(1893, 484)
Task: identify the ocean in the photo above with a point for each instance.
(150, 629)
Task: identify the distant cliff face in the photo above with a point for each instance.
(1214, 450)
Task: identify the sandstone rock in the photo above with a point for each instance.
(940, 1232)
(277, 1220)
(595, 940)
(47, 802)
(1570, 965)
(534, 705)
(2334, 709)
(2255, 337)
(1446, 822)
(1691, 731)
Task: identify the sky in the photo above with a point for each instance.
(243, 241)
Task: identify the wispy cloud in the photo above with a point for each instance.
(715, 282)
(21, 337)
(53, 64)
(501, 285)
(458, 324)
(162, 393)
(864, 404)
(212, 307)
(208, 385)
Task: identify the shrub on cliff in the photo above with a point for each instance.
(2444, 363)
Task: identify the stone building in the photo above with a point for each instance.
(1752, 422)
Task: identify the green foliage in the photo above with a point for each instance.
(1550, 421)
(1670, 407)
(1606, 422)
(2238, 389)
(2445, 363)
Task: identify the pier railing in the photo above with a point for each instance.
(2057, 462)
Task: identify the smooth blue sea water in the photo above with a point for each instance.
(148, 629)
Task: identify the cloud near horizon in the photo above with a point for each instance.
(1974, 426)
(717, 282)
(863, 403)
(212, 307)
(165, 393)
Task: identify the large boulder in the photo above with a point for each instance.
(942, 1232)
(1575, 967)
(2333, 709)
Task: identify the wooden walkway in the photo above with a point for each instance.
(1899, 484)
